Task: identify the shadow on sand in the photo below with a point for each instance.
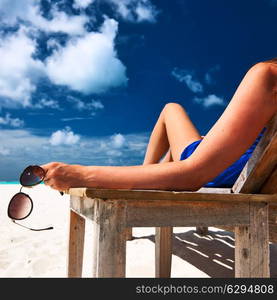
(213, 253)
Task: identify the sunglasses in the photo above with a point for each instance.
(21, 204)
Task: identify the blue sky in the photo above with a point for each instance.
(83, 81)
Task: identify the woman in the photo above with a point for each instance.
(230, 142)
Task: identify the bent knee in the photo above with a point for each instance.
(172, 106)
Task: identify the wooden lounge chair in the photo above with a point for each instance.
(249, 208)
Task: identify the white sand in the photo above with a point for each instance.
(25, 253)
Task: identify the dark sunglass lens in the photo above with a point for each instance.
(20, 206)
(32, 175)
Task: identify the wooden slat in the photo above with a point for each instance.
(158, 195)
(242, 252)
(95, 238)
(129, 233)
(214, 190)
(270, 185)
(163, 251)
(272, 221)
(251, 244)
(76, 245)
(149, 213)
(111, 237)
(272, 232)
(261, 163)
(259, 250)
(83, 205)
(202, 230)
(82, 192)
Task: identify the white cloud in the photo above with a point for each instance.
(78, 104)
(44, 103)
(19, 70)
(88, 64)
(123, 10)
(96, 104)
(210, 100)
(64, 137)
(117, 140)
(12, 12)
(187, 78)
(135, 10)
(60, 22)
(12, 122)
(82, 3)
(89, 106)
(145, 13)
(76, 119)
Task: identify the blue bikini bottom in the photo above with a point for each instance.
(228, 177)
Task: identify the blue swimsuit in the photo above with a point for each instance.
(227, 178)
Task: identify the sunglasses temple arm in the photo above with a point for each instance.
(33, 229)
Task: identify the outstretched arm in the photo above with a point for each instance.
(166, 176)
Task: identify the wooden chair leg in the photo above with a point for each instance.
(202, 230)
(76, 245)
(163, 251)
(252, 244)
(129, 234)
(95, 249)
(110, 234)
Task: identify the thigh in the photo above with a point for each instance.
(180, 129)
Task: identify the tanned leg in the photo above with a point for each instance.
(172, 133)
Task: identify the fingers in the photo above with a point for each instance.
(54, 175)
(46, 178)
(47, 181)
(50, 165)
(48, 168)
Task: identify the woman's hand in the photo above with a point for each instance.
(62, 176)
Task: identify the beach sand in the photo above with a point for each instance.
(25, 253)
